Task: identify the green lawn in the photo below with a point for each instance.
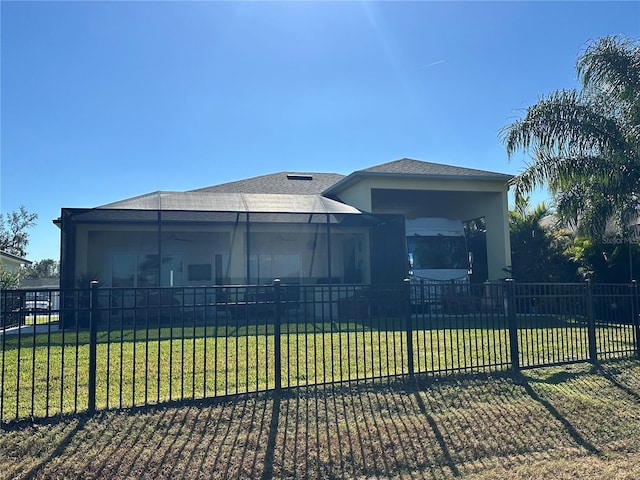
(40, 319)
(146, 366)
(569, 422)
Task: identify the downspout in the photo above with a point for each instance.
(313, 251)
(159, 221)
(329, 249)
(329, 268)
(248, 250)
(233, 242)
(159, 239)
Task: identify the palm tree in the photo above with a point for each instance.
(585, 143)
(537, 251)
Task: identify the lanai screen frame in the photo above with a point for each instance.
(162, 219)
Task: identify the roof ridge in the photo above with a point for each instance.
(278, 182)
(266, 175)
(377, 168)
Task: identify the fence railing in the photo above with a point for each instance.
(104, 348)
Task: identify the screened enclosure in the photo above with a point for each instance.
(327, 243)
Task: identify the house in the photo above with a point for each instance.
(10, 262)
(300, 227)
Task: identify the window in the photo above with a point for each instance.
(438, 252)
(267, 267)
(123, 271)
(200, 272)
(131, 270)
(172, 270)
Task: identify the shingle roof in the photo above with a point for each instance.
(295, 183)
(291, 192)
(232, 202)
(409, 168)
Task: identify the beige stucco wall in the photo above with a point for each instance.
(463, 199)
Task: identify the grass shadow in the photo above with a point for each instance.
(612, 372)
(61, 446)
(524, 381)
(433, 428)
(438, 434)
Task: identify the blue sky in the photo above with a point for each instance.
(102, 101)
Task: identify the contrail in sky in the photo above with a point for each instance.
(432, 64)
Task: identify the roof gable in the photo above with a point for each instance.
(409, 168)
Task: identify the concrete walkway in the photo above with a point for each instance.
(28, 329)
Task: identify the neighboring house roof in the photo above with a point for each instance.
(294, 183)
(409, 168)
(14, 259)
(232, 202)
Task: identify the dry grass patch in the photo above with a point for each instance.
(603, 411)
(615, 467)
(569, 422)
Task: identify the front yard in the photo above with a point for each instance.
(48, 373)
(566, 422)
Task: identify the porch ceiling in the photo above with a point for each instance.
(429, 203)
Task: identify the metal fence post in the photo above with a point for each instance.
(591, 324)
(513, 325)
(409, 320)
(634, 318)
(277, 345)
(93, 336)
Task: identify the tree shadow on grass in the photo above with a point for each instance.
(381, 431)
(598, 404)
(624, 374)
(485, 422)
(555, 413)
(438, 434)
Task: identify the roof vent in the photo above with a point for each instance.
(297, 176)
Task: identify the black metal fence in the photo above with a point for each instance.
(67, 351)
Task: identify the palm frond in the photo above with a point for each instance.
(612, 63)
(585, 145)
(565, 120)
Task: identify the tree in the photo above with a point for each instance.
(14, 237)
(47, 268)
(602, 262)
(9, 280)
(537, 252)
(585, 143)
